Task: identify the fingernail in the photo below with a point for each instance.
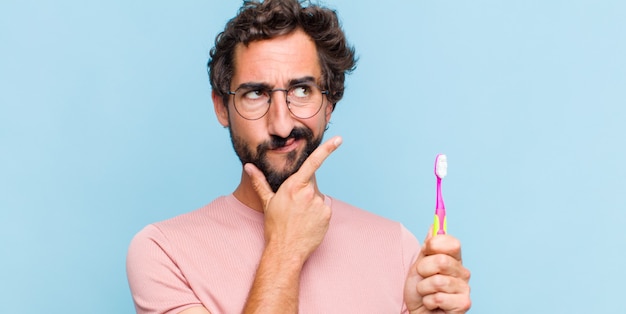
(247, 169)
(338, 141)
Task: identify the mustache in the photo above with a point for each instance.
(276, 141)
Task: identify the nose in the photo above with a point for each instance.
(279, 119)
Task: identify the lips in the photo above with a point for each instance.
(287, 145)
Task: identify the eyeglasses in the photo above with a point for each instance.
(304, 100)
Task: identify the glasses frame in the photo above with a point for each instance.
(270, 92)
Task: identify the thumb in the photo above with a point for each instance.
(429, 236)
(430, 232)
(259, 183)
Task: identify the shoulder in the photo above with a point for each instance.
(345, 214)
(221, 209)
(224, 219)
(162, 233)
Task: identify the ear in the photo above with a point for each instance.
(221, 109)
(330, 107)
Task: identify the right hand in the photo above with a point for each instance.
(296, 217)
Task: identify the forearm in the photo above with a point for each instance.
(276, 284)
(296, 220)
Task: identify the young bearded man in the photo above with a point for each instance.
(277, 244)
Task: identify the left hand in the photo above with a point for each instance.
(438, 282)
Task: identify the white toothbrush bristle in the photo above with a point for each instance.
(441, 167)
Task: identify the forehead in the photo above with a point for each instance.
(276, 61)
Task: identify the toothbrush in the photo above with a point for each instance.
(441, 170)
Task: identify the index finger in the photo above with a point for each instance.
(315, 160)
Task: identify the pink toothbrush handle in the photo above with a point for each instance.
(440, 225)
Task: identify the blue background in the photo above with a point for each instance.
(106, 125)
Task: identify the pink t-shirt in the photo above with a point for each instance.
(209, 257)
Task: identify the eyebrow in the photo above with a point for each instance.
(253, 86)
(260, 85)
(297, 81)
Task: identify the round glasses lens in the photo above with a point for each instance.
(304, 101)
(252, 104)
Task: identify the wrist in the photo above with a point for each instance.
(285, 257)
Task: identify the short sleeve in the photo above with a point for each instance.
(156, 282)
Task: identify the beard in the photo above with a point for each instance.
(294, 159)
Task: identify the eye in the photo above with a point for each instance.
(254, 94)
(301, 91)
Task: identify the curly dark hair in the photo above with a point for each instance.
(271, 18)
